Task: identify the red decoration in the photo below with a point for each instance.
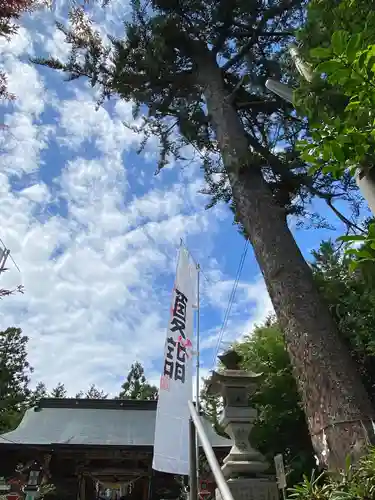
(204, 488)
(13, 496)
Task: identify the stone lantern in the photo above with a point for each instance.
(244, 467)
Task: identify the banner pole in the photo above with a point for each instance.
(198, 366)
(193, 485)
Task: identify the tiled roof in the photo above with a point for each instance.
(90, 422)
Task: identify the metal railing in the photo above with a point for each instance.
(196, 424)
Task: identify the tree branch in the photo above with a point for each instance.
(246, 48)
(266, 34)
(281, 169)
(232, 96)
(348, 223)
(272, 12)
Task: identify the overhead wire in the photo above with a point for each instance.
(230, 302)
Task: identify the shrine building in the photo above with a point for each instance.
(85, 446)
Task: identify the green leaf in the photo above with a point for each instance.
(370, 64)
(329, 67)
(352, 237)
(321, 52)
(315, 134)
(342, 75)
(308, 158)
(371, 232)
(339, 41)
(365, 254)
(353, 105)
(361, 59)
(351, 252)
(337, 152)
(353, 47)
(353, 265)
(327, 151)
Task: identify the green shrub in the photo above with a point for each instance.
(354, 483)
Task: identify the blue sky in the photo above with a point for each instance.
(95, 233)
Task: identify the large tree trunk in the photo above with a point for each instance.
(337, 407)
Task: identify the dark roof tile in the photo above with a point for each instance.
(90, 422)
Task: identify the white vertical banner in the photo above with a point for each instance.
(171, 443)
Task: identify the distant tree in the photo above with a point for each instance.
(59, 391)
(38, 393)
(95, 393)
(136, 385)
(15, 373)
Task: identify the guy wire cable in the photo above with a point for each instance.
(230, 303)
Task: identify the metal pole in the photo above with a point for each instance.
(193, 483)
(226, 494)
(198, 339)
(3, 258)
(366, 184)
(197, 398)
(280, 89)
(303, 68)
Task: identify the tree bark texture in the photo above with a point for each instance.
(338, 410)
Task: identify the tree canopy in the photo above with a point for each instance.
(352, 302)
(136, 385)
(92, 393)
(15, 373)
(338, 40)
(155, 65)
(59, 391)
(10, 11)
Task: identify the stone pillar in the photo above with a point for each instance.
(244, 467)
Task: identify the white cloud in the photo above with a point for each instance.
(55, 45)
(23, 142)
(39, 193)
(19, 44)
(24, 138)
(26, 84)
(80, 121)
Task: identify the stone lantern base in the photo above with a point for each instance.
(233, 469)
(251, 489)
